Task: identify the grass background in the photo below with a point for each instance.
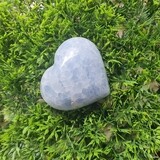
(126, 125)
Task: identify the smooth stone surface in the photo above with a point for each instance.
(77, 78)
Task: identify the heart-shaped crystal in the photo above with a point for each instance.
(77, 78)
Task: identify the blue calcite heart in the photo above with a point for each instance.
(77, 78)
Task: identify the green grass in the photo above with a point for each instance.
(126, 125)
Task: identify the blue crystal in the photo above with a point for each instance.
(77, 78)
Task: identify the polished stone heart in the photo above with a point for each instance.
(77, 78)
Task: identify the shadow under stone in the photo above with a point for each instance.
(77, 116)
